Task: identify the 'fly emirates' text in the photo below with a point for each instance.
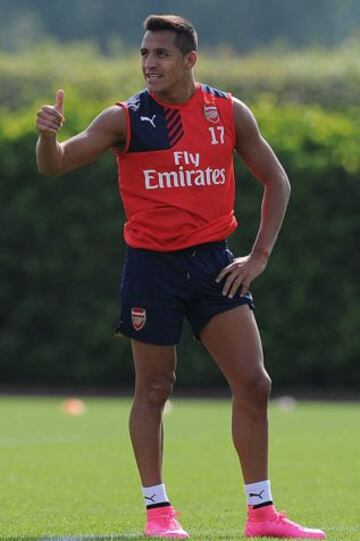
(181, 178)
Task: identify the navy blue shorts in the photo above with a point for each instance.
(160, 289)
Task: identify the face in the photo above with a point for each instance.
(164, 66)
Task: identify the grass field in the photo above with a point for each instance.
(73, 478)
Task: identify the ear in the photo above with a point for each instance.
(191, 59)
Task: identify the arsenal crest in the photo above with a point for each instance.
(211, 113)
(138, 318)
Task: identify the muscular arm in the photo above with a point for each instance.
(55, 158)
(266, 168)
(264, 165)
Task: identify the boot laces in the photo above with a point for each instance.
(168, 519)
(281, 517)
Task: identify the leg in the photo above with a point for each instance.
(155, 377)
(232, 338)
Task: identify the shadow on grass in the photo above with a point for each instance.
(119, 537)
(110, 537)
(116, 537)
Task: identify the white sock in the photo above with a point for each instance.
(155, 495)
(258, 493)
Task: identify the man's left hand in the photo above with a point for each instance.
(240, 273)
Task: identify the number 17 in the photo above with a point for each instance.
(215, 132)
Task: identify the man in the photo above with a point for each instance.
(174, 144)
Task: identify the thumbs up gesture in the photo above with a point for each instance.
(50, 118)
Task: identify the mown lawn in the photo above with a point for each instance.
(73, 477)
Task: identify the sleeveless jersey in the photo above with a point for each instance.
(176, 176)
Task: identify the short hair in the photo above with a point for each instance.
(186, 38)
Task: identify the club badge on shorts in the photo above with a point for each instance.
(211, 113)
(138, 318)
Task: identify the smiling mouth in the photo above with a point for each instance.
(152, 76)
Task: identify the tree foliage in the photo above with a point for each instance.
(327, 78)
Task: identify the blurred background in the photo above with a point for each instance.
(297, 65)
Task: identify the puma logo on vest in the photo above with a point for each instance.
(147, 119)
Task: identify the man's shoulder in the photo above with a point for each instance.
(241, 111)
(111, 122)
(113, 115)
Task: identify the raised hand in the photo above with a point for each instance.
(50, 118)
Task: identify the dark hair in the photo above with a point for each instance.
(186, 37)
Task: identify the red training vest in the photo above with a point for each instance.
(176, 175)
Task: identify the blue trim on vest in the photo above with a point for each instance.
(214, 91)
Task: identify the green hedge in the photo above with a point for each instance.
(329, 77)
(61, 257)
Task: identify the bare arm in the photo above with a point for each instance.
(264, 165)
(266, 168)
(54, 158)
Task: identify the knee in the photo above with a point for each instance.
(158, 391)
(263, 388)
(255, 392)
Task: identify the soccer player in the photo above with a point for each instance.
(174, 144)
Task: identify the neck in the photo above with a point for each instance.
(177, 95)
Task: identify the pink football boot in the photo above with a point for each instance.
(267, 522)
(161, 522)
